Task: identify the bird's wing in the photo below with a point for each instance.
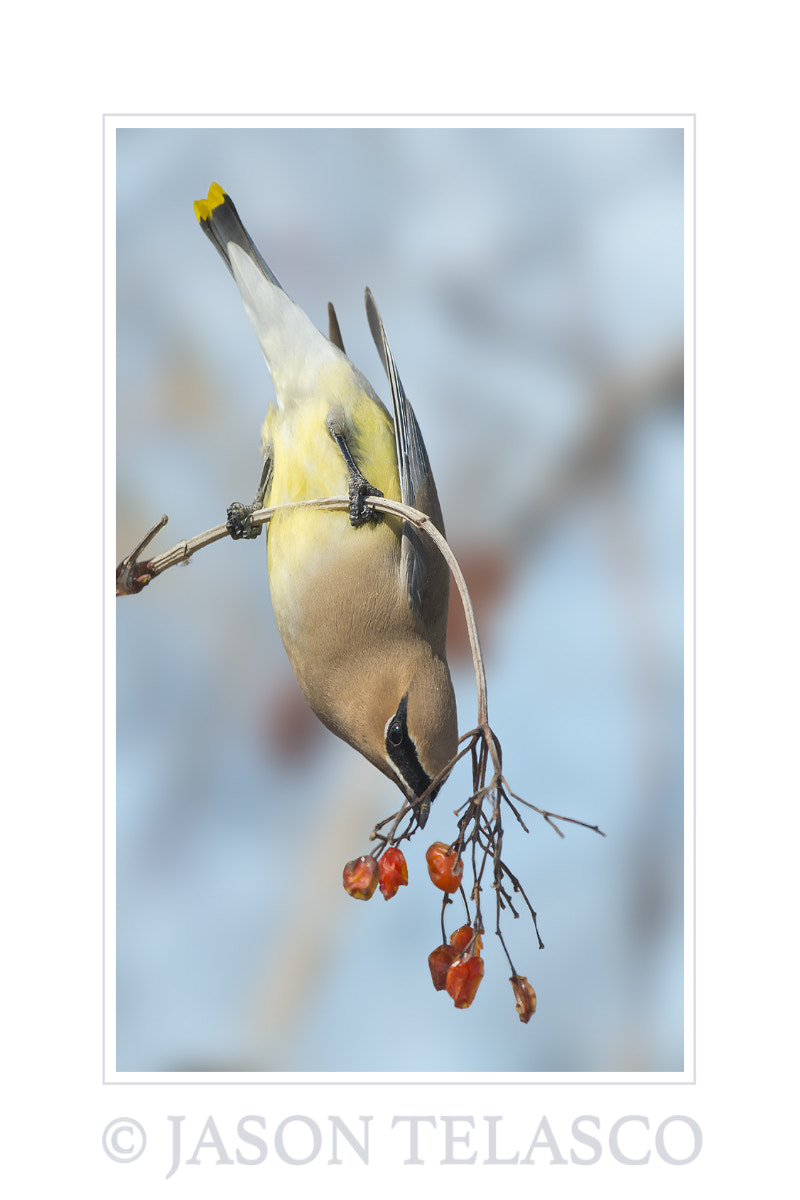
(419, 558)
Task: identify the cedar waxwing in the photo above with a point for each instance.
(360, 599)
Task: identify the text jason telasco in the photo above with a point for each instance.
(446, 1140)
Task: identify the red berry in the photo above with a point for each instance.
(360, 877)
(393, 872)
(444, 867)
(463, 980)
(440, 961)
(462, 938)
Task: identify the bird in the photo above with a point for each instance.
(360, 598)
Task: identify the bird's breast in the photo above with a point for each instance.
(308, 464)
(332, 585)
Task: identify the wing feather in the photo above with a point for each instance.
(419, 560)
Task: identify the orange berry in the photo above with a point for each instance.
(360, 877)
(463, 980)
(444, 867)
(440, 961)
(393, 872)
(462, 937)
(525, 997)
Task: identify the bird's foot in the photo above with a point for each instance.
(359, 491)
(239, 523)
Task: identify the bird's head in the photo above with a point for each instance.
(402, 717)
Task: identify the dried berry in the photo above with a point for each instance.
(393, 872)
(463, 980)
(360, 877)
(445, 867)
(525, 997)
(462, 938)
(440, 961)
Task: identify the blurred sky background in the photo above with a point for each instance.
(531, 285)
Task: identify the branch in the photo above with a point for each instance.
(480, 832)
(133, 575)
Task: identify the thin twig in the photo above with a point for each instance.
(132, 576)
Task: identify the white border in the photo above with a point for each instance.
(686, 122)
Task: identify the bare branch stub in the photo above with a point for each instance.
(133, 575)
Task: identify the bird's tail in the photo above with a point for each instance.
(222, 224)
(294, 348)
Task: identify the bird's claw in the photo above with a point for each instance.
(239, 523)
(359, 510)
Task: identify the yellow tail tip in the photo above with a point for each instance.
(204, 208)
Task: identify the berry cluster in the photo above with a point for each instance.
(456, 965)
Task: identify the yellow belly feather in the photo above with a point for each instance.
(305, 546)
